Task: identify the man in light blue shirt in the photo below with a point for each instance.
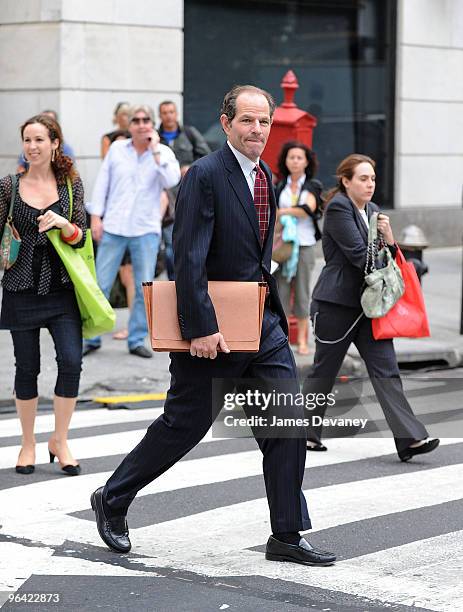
(125, 213)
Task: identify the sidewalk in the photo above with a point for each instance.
(442, 288)
(113, 371)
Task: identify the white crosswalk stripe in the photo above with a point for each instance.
(41, 534)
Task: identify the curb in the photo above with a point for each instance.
(452, 357)
(353, 365)
(413, 353)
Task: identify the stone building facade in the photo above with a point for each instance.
(81, 58)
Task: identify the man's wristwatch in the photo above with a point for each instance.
(156, 152)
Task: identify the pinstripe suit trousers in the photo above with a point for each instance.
(188, 414)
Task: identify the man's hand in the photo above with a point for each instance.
(154, 140)
(96, 226)
(206, 346)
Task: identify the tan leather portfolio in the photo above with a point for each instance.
(239, 308)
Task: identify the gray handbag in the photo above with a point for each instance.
(384, 286)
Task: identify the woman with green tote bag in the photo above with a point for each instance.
(37, 290)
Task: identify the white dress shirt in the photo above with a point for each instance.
(128, 189)
(363, 214)
(247, 166)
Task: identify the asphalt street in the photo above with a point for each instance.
(199, 531)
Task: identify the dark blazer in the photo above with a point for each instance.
(188, 146)
(216, 237)
(344, 241)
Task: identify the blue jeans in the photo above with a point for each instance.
(169, 251)
(143, 252)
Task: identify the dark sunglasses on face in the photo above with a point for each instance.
(138, 120)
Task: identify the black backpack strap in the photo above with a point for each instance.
(189, 134)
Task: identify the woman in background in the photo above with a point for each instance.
(298, 194)
(121, 120)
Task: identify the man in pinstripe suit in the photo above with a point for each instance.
(223, 230)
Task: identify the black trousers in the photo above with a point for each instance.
(332, 322)
(66, 331)
(188, 415)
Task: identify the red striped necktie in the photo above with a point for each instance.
(261, 202)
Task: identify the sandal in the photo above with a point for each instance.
(122, 334)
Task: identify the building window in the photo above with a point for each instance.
(343, 54)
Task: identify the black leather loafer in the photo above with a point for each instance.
(317, 447)
(113, 531)
(302, 553)
(427, 447)
(141, 351)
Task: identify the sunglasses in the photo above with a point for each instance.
(138, 120)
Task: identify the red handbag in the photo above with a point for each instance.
(408, 318)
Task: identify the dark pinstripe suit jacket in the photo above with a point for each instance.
(216, 237)
(344, 241)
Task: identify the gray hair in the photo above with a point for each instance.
(229, 101)
(136, 108)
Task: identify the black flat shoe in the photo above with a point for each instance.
(302, 553)
(70, 470)
(25, 469)
(317, 447)
(427, 447)
(113, 531)
(141, 351)
(89, 348)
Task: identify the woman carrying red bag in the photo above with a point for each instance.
(337, 315)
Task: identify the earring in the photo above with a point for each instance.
(53, 155)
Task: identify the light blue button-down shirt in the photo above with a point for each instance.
(128, 189)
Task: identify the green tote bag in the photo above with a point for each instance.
(98, 317)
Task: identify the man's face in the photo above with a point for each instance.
(169, 117)
(141, 128)
(249, 129)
